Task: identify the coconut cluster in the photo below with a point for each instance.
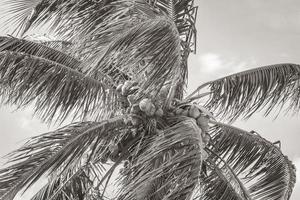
(148, 107)
(201, 117)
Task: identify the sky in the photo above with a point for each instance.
(233, 35)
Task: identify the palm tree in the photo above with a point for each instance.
(119, 68)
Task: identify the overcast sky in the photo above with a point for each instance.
(233, 35)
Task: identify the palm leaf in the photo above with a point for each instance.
(31, 72)
(75, 187)
(37, 49)
(168, 167)
(244, 93)
(260, 165)
(57, 44)
(126, 52)
(30, 14)
(103, 32)
(58, 152)
(220, 181)
(74, 184)
(219, 185)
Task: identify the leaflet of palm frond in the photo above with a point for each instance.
(22, 10)
(155, 39)
(74, 185)
(259, 164)
(57, 153)
(56, 89)
(97, 31)
(169, 165)
(244, 93)
(184, 15)
(30, 14)
(60, 45)
(218, 186)
(41, 50)
(221, 182)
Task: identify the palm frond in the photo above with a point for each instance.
(244, 93)
(30, 14)
(260, 165)
(37, 49)
(168, 167)
(67, 149)
(155, 39)
(53, 43)
(218, 185)
(22, 10)
(220, 182)
(31, 72)
(72, 186)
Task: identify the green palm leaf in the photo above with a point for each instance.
(244, 93)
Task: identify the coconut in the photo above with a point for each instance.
(103, 158)
(204, 128)
(185, 112)
(194, 112)
(202, 121)
(151, 110)
(204, 155)
(163, 94)
(171, 114)
(126, 164)
(113, 148)
(126, 120)
(126, 87)
(134, 132)
(135, 109)
(206, 139)
(147, 106)
(159, 112)
(135, 121)
(178, 111)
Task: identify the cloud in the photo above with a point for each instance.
(216, 65)
(211, 62)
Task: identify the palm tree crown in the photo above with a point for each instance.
(119, 68)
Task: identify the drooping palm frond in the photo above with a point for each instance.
(168, 167)
(260, 165)
(30, 14)
(221, 183)
(75, 187)
(74, 184)
(37, 49)
(31, 72)
(246, 92)
(62, 152)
